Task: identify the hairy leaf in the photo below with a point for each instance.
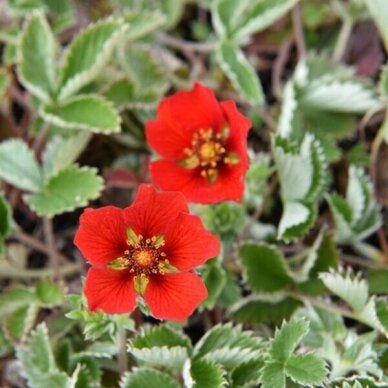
(240, 72)
(71, 188)
(19, 166)
(37, 58)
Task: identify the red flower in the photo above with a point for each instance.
(203, 144)
(148, 249)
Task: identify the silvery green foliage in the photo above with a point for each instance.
(357, 215)
(57, 186)
(302, 171)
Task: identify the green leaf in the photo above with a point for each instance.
(273, 375)
(19, 166)
(161, 335)
(5, 220)
(225, 336)
(255, 309)
(49, 293)
(379, 12)
(37, 58)
(207, 374)
(18, 324)
(147, 377)
(54, 379)
(306, 369)
(231, 357)
(260, 15)
(126, 94)
(71, 188)
(240, 72)
(352, 289)
(88, 54)
(287, 338)
(214, 277)
(14, 299)
(143, 71)
(378, 281)
(36, 355)
(171, 358)
(339, 95)
(92, 113)
(297, 219)
(142, 23)
(247, 373)
(302, 173)
(62, 152)
(265, 267)
(240, 19)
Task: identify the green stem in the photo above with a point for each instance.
(122, 350)
(343, 39)
(6, 271)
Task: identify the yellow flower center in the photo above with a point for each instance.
(143, 258)
(208, 153)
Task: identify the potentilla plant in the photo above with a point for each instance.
(193, 194)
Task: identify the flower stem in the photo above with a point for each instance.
(122, 350)
(51, 249)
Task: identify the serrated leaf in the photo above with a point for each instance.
(14, 299)
(62, 152)
(339, 95)
(247, 373)
(306, 369)
(87, 55)
(166, 357)
(240, 72)
(36, 54)
(142, 23)
(286, 124)
(71, 188)
(231, 357)
(19, 166)
(352, 289)
(36, 355)
(147, 377)
(287, 338)
(273, 375)
(260, 15)
(92, 113)
(254, 309)
(161, 335)
(265, 267)
(221, 336)
(49, 293)
(297, 219)
(379, 12)
(207, 374)
(18, 324)
(240, 19)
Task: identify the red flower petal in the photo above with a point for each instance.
(110, 291)
(228, 186)
(152, 211)
(175, 296)
(239, 126)
(101, 235)
(179, 116)
(188, 243)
